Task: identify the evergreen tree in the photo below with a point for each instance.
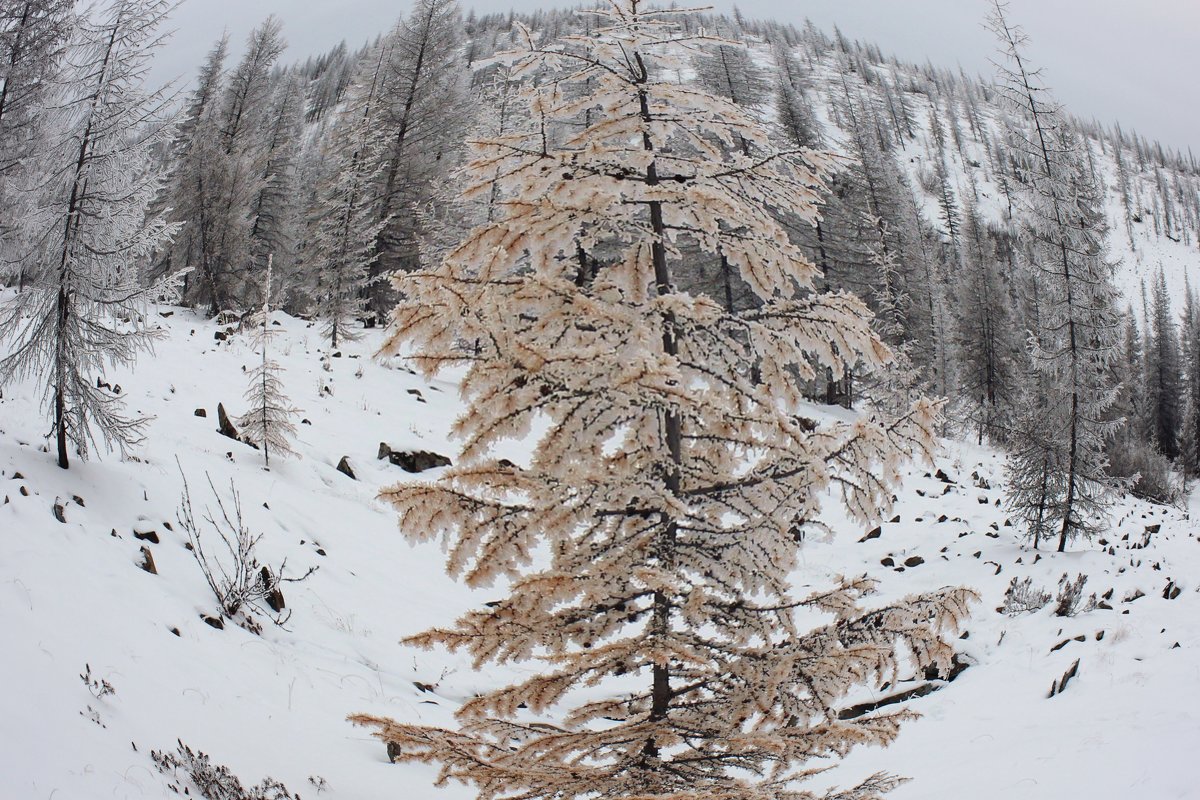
(665, 484)
(82, 247)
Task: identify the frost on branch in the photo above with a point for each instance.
(268, 423)
(648, 542)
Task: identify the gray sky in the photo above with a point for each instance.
(1136, 61)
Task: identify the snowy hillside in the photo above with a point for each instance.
(74, 597)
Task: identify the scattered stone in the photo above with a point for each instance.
(1058, 687)
(16, 476)
(417, 394)
(224, 426)
(200, 412)
(148, 561)
(320, 551)
(943, 477)
(175, 631)
(412, 461)
(983, 500)
(1065, 642)
(1153, 528)
(913, 561)
(214, 622)
(875, 533)
(888, 562)
(60, 513)
(1172, 591)
(146, 536)
(895, 518)
(275, 595)
(345, 468)
(942, 518)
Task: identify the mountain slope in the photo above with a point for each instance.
(72, 594)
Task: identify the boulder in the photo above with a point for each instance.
(413, 461)
(225, 427)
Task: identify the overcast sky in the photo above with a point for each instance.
(1136, 61)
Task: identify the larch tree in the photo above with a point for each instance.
(187, 189)
(230, 174)
(345, 225)
(85, 309)
(987, 381)
(268, 424)
(33, 35)
(424, 116)
(1078, 332)
(275, 230)
(1164, 373)
(1189, 435)
(648, 541)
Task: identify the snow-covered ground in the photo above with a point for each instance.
(72, 594)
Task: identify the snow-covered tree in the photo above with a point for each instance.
(1077, 333)
(985, 330)
(424, 118)
(648, 541)
(89, 232)
(268, 424)
(188, 190)
(1164, 373)
(276, 209)
(1189, 434)
(33, 34)
(228, 172)
(345, 221)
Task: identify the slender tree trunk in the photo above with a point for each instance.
(661, 694)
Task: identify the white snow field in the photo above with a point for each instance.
(72, 594)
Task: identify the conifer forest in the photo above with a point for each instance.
(620, 402)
